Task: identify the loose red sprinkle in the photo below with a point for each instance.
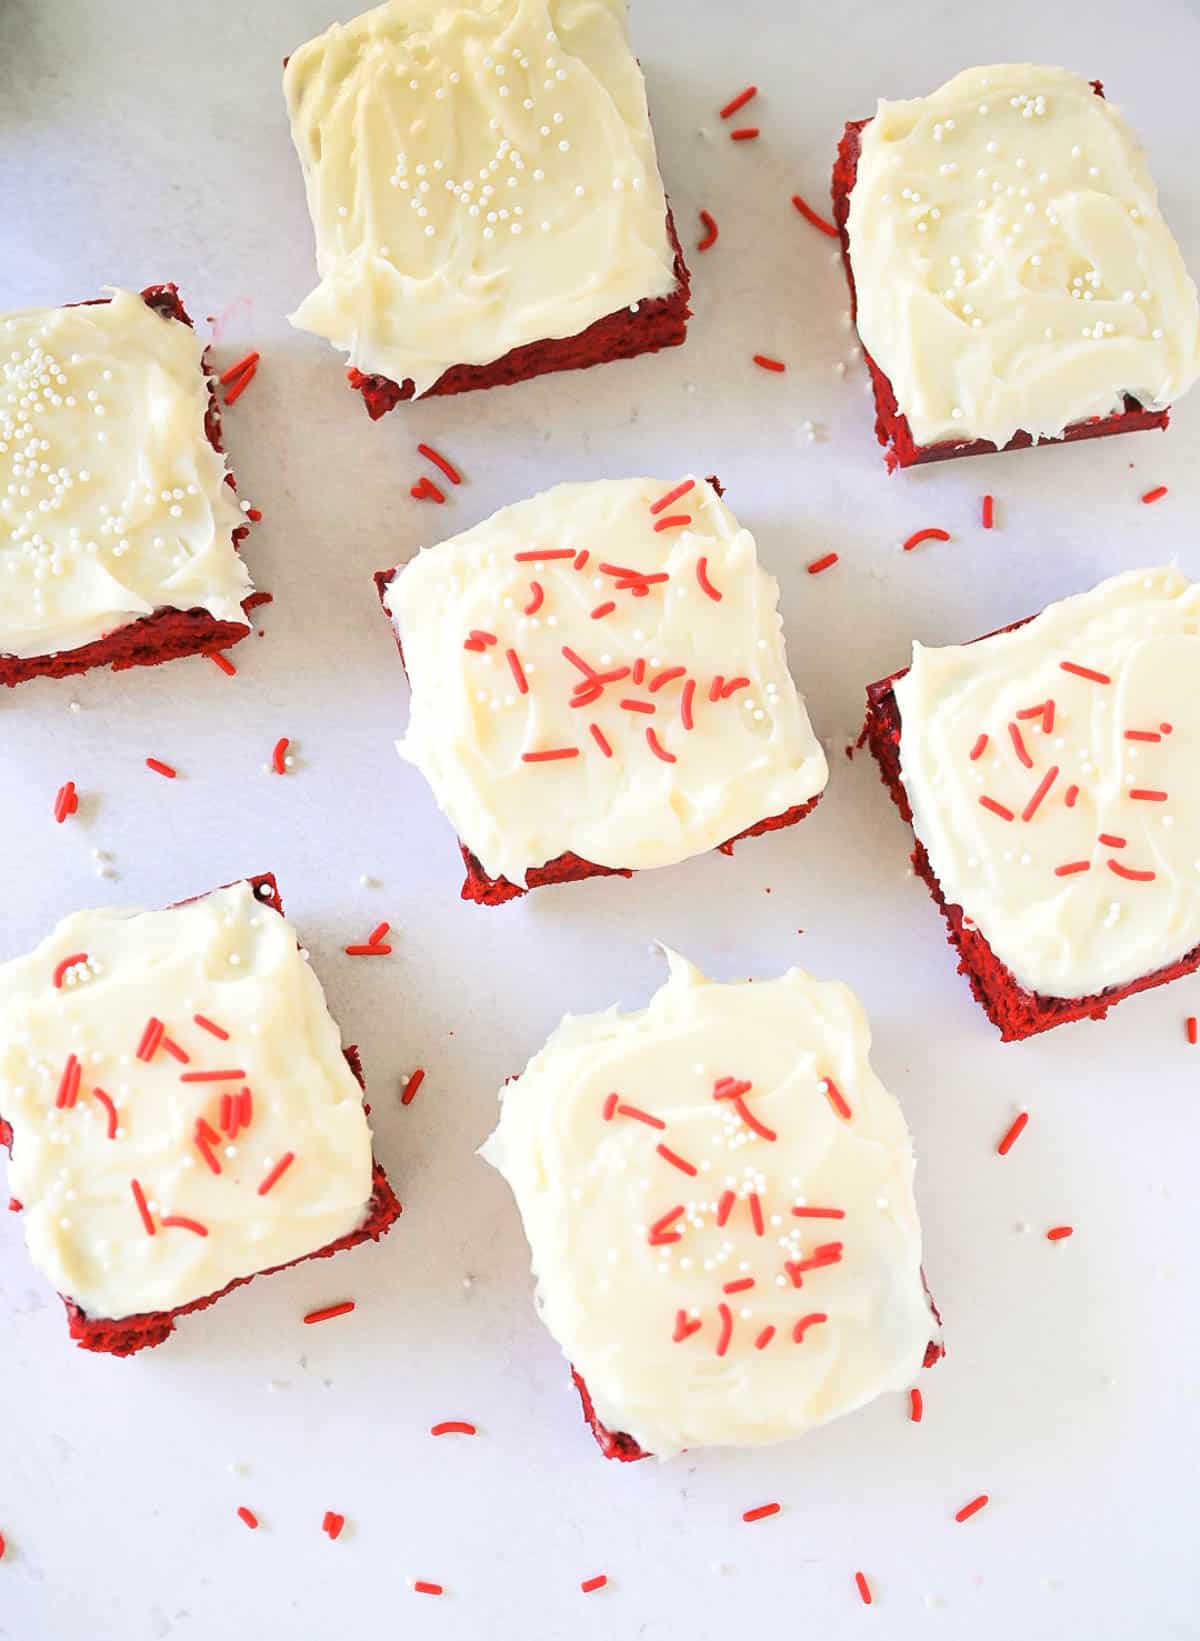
(1043, 786)
(997, 808)
(2, 1546)
(233, 1075)
(324, 1315)
(66, 801)
(676, 1161)
(1070, 796)
(254, 514)
(412, 1085)
(160, 768)
(819, 1213)
(765, 362)
(741, 1284)
(764, 1338)
(431, 455)
(600, 739)
(235, 370)
(377, 933)
(110, 1109)
(1013, 1133)
(819, 564)
(206, 1024)
(536, 600)
(916, 1406)
(1112, 840)
(664, 502)
(756, 1214)
(658, 749)
(706, 585)
(1085, 672)
(1156, 494)
(673, 521)
(809, 1321)
(243, 382)
(918, 536)
(225, 664)
(602, 610)
(424, 488)
(837, 1099)
(660, 1231)
(711, 232)
(1142, 735)
(1130, 873)
(332, 1523)
(367, 951)
(139, 1196)
(744, 133)
(1056, 1233)
(280, 1168)
(686, 700)
(864, 1589)
(636, 1112)
(518, 672)
(550, 755)
(761, 1511)
(279, 755)
(174, 1050)
(247, 1516)
(988, 512)
(538, 555)
(740, 101)
(182, 1223)
(809, 215)
(1193, 1030)
(1019, 747)
(453, 1427)
(980, 747)
(597, 1583)
(60, 969)
(969, 1510)
(630, 704)
(423, 1587)
(724, 1206)
(726, 1334)
(1146, 794)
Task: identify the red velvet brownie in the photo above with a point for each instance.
(188, 1175)
(778, 1283)
(596, 710)
(485, 196)
(122, 541)
(1010, 273)
(1048, 773)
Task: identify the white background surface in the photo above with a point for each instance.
(140, 143)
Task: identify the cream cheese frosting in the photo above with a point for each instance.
(113, 504)
(158, 1070)
(1012, 266)
(1053, 779)
(601, 670)
(717, 1194)
(479, 176)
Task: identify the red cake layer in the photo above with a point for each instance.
(660, 322)
(570, 867)
(169, 633)
(126, 1335)
(891, 426)
(1018, 1013)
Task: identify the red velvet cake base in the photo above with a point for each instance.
(168, 634)
(125, 1335)
(660, 322)
(1016, 1012)
(891, 426)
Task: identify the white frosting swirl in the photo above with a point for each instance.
(1013, 268)
(479, 176)
(664, 1313)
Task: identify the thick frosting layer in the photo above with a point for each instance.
(183, 1056)
(589, 674)
(113, 504)
(479, 176)
(1054, 781)
(717, 1193)
(1012, 266)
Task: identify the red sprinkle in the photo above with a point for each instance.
(684, 1328)
(174, 1050)
(632, 705)
(272, 1179)
(1147, 794)
(538, 555)
(600, 739)
(661, 1232)
(864, 1589)
(916, 1406)
(837, 1099)
(918, 536)
(602, 610)
(232, 1076)
(969, 1510)
(377, 933)
(453, 1427)
(665, 501)
(367, 951)
(761, 1511)
(686, 700)
(673, 521)
(423, 1587)
(726, 1334)
(1014, 1132)
(1043, 786)
(1193, 1031)
(160, 768)
(1156, 494)
(806, 1322)
(819, 564)
(1085, 672)
(597, 1583)
(639, 1115)
(742, 1284)
(711, 232)
(819, 1213)
(765, 362)
(225, 664)
(658, 749)
(324, 1315)
(247, 1516)
(182, 1223)
(242, 364)
(110, 1108)
(740, 101)
(1130, 872)
(676, 1161)
(242, 383)
(980, 747)
(666, 677)
(1056, 1233)
(518, 672)
(60, 969)
(152, 1036)
(278, 754)
(431, 455)
(706, 585)
(66, 801)
(1070, 867)
(139, 1196)
(724, 1206)
(1070, 796)
(206, 1024)
(68, 1084)
(1142, 735)
(764, 1338)
(412, 1085)
(536, 600)
(332, 1523)
(988, 512)
(744, 133)
(809, 215)
(550, 755)
(997, 808)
